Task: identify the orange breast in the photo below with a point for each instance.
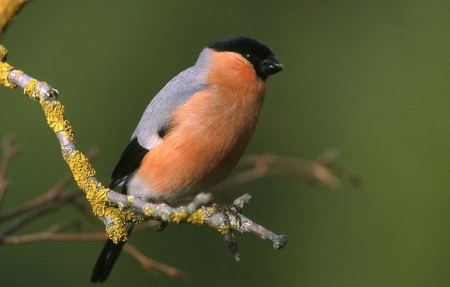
(210, 131)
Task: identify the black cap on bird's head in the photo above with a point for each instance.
(258, 54)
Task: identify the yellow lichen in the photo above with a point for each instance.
(210, 210)
(198, 217)
(131, 199)
(118, 232)
(222, 228)
(179, 217)
(3, 52)
(98, 199)
(81, 169)
(4, 69)
(31, 89)
(147, 210)
(54, 112)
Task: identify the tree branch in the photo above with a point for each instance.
(153, 265)
(34, 214)
(10, 150)
(40, 200)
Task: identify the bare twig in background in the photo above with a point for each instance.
(323, 169)
(45, 198)
(33, 214)
(38, 201)
(9, 150)
(50, 236)
(153, 265)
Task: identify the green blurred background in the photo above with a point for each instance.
(370, 78)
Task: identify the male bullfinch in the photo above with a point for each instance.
(195, 130)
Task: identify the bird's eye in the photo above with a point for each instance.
(249, 56)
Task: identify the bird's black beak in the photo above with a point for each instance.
(270, 66)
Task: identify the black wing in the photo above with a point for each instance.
(129, 162)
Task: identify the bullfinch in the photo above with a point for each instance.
(195, 129)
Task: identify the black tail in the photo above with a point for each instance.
(106, 260)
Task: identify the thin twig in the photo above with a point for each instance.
(45, 198)
(49, 236)
(56, 228)
(10, 150)
(153, 265)
(40, 200)
(262, 166)
(34, 214)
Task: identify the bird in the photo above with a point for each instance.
(195, 130)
